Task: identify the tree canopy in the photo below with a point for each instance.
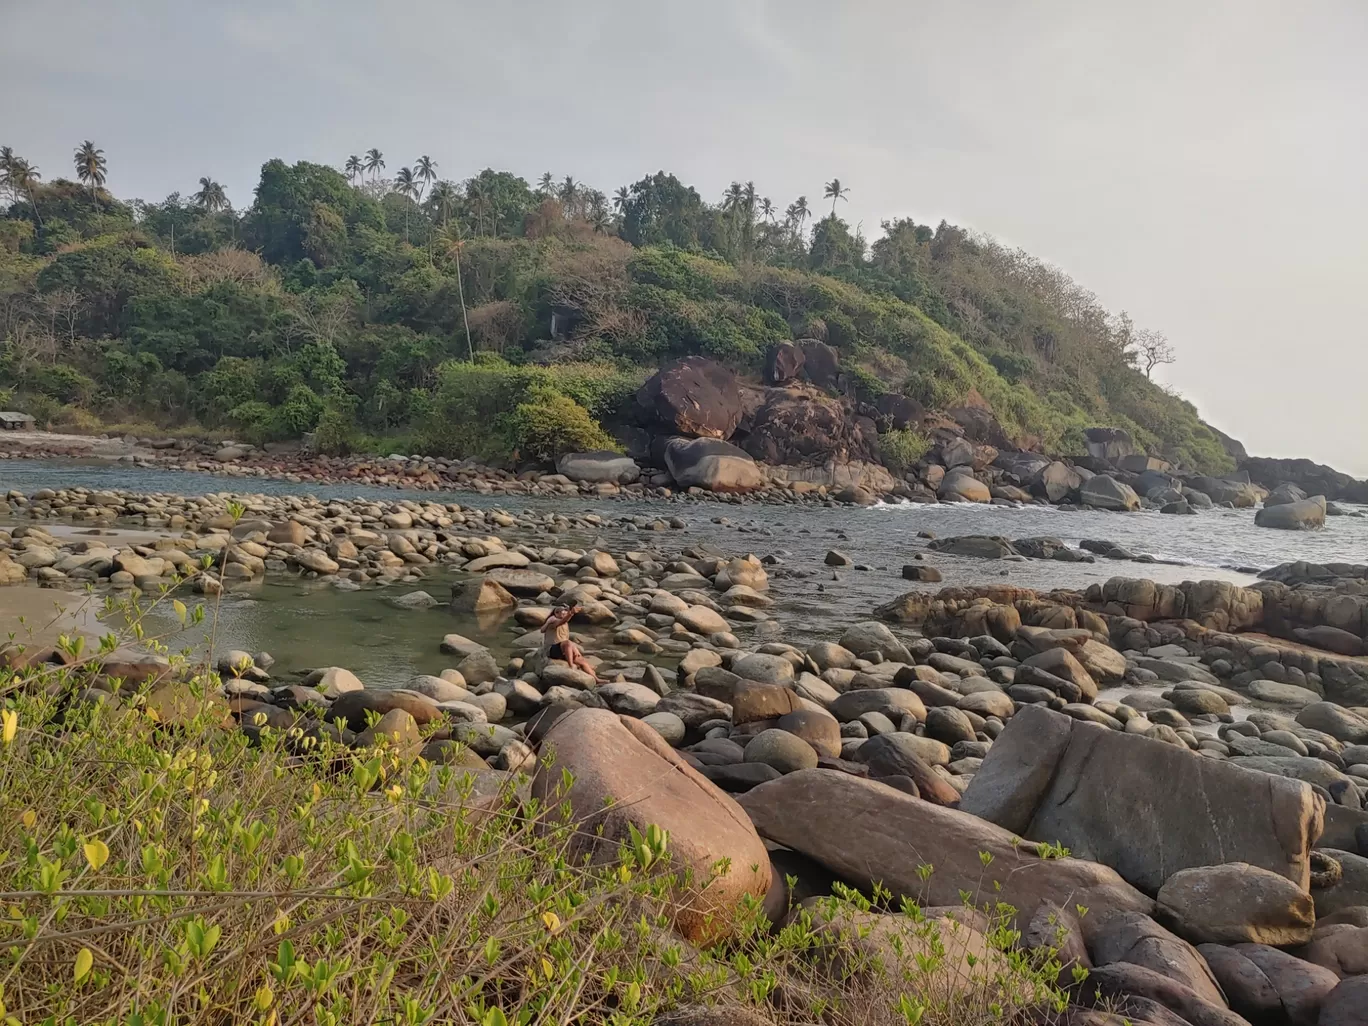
(351, 300)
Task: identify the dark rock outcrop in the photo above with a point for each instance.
(694, 397)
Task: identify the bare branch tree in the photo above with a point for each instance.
(1151, 349)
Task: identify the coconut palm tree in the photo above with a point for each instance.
(442, 199)
(7, 163)
(23, 176)
(354, 168)
(621, 198)
(451, 241)
(375, 161)
(569, 195)
(835, 191)
(546, 184)
(767, 208)
(91, 166)
(480, 198)
(211, 196)
(426, 172)
(406, 185)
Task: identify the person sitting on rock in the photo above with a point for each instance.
(556, 632)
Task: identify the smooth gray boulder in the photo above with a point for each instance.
(1145, 808)
(1300, 515)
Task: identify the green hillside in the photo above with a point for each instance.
(494, 317)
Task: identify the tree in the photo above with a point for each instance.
(835, 191)
(91, 165)
(452, 243)
(7, 165)
(767, 208)
(426, 172)
(406, 185)
(442, 199)
(620, 198)
(353, 168)
(546, 184)
(211, 196)
(661, 208)
(375, 162)
(569, 195)
(22, 177)
(1152, 348)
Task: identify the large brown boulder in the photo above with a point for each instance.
(796, 427)
(695, 397)
(783, 363)
(1146, 808)
(821, 363)
(1122, 936)
(626, 775)
(866, 832)
(1236, 903)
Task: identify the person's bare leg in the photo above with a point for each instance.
(576, 658)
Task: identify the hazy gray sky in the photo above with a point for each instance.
(1203, 165)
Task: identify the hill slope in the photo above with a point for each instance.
(332, 306)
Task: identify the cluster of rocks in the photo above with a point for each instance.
(353, 543)
(1214, 886)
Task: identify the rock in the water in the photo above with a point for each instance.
(624, 773)
(1102, 491)
(1303, 515)
(864, 831)
(960, 485)
(1236, 903)
(1098, 792)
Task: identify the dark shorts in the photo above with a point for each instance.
(556, 652)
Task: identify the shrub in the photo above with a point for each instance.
(900, 450)
(549, 424)
(494, 410)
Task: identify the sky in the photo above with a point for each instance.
(1203, 166)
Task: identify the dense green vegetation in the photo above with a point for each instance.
(379, 310)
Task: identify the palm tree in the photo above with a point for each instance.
(478, 194)
(834, 192)
(767, 208)
(546, 184)
(452, 242)
(800, 207)
(354, 167)
(731, 199)
(375, 161)
(600, 220)
(90, 165)
(7, 163)
(23, 176)
(211, 196)
(406, 185)
(426, 172)
(569, 194)
(621, 198)
(442, 199)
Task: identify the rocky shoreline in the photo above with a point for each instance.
(956, 470)
(1189, 763)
